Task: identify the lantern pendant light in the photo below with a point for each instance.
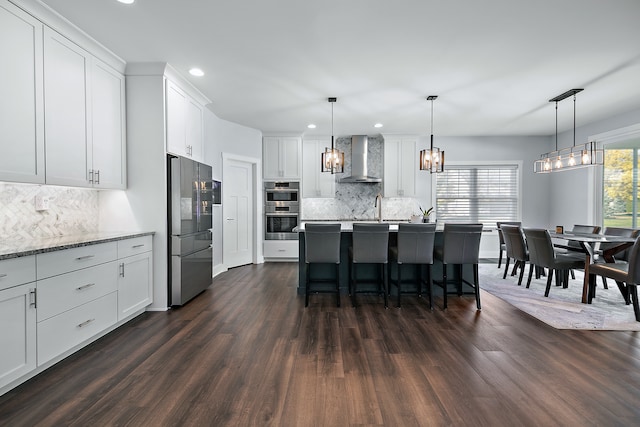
(432, 160)
(332, 158)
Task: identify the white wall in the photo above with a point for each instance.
(572, 193)
(222, 136)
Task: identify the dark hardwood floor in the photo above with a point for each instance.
(247, 353)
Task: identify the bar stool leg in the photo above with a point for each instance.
(338, 285)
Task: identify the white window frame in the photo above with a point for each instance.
(487, 163)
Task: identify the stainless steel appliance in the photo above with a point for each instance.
(190, 222)
(282, 210)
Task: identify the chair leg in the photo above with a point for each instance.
(307, 284)
(337, 285)
(522, 265)
(500, 259)
(506, 268)
(515, 267)
(634, 297)
(444, 286)
(386, 285)
(624, 290)
(530, 274)
(353, 285)
(419, 276)
(459, 269)
(592, 287)
(399, 284)
(604, 282)
(476, 285)
(430, 286)
(551, 271)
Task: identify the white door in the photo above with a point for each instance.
(238, 212)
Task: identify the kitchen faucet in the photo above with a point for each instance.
(378, 204)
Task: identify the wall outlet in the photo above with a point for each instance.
(42, 203)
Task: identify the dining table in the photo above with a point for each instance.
(589, 245)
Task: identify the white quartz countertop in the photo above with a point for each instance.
(24, 247)
(346, 225)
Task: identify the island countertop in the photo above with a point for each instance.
(347, 225)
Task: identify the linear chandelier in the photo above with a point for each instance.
(332, 158)
(432, 160)
(574, 157)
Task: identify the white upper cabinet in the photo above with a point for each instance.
(281, 157)
(314, 182)
(185, 122)
(21, 101)
(84, 117)
(400, 167)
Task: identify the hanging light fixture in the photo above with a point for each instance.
(574, 157)
(332, 158)
(432, 160)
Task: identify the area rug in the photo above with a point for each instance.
(562, 309)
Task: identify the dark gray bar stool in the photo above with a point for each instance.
(322, 246)
(461, 246)
(415, 246)
(370, 246)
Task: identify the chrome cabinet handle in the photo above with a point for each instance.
(83, 287)
(122, 269)
(33, 298)
(3, 275)
(91, 176)
(85, 323)
(81, 258)
(97, 177)
(137, 246)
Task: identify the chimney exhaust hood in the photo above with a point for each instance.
(359, 144)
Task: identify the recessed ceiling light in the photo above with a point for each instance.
(377, 125)
(196, 72)
(126, 1)
(311, 126)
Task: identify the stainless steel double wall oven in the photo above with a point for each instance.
(282, 210)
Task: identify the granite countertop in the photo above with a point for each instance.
(25, 247)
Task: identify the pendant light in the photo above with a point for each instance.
(573, 157)
(332, 158)
(432, 160)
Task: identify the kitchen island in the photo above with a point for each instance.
(364, 273)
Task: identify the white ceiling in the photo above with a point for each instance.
(271, 65)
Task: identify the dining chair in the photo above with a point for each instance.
(572, 248)
(501, 237)
(516, 250)
(542, 253)
(627, 274)
(620, 257)
(461, 245)
(415, 247)
(370, 245)
(322, 246)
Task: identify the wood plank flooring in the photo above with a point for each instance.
(247, 353)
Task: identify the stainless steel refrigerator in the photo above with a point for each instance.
(190, 222)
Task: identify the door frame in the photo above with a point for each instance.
(257, 256)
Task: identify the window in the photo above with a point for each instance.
(478, 193)
(620, 185)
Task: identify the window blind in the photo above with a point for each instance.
(478, 193)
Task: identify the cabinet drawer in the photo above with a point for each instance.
(64, 261)
(16, 271)
(63, 292)
(281, 249)
(134, 246)
(66, 330)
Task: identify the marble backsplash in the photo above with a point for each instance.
(71, 211)
(357, 200)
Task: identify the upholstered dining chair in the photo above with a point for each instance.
(620, 257)
(542, 253)
(415, 247)
(516, 250)
(370, 246)
(461, 245)
(627, 274)
(322, 246)
(501, 237)
(573, 248)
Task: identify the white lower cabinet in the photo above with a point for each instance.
(285, 249)
(17, 332)
(75, 297)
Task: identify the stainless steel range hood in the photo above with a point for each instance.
(359, 145)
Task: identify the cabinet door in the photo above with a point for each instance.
(194, 129)
(271, 158)
(407, 167)
(391, 164)
(135, 284)
(108, 126)
(176, 120)
(17, 333)
(65, 93)
(400, 164)
(290, 153)
(21, 102)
